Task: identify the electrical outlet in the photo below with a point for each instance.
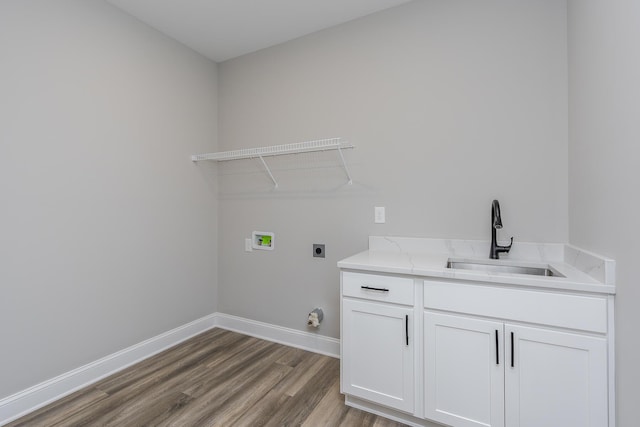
(379, 215)
(318, 250)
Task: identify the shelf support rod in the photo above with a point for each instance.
(344, 164)
(275, 183)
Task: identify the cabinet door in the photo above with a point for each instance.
(378, 353)
(557, 379)
(464, 371)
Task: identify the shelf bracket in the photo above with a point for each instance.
(344, 165)
(275, 183)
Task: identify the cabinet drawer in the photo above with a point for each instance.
(587, 313)
(398, 290)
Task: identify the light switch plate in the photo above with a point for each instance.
(379, 215)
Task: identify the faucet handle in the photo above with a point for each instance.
(507, 248)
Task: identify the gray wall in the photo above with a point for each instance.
(450, 105)
(604, 129)
(107, 230)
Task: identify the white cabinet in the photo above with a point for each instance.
(486, 373)
(378, 353)
(377, 362)
(464, 370)
(545, 375)
(556, 378)
(466, 354)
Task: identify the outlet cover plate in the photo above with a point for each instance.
(318, 250)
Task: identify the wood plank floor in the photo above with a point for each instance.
(218, 378)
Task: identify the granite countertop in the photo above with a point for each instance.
(583, 271)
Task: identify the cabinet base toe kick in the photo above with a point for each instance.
(389, 413)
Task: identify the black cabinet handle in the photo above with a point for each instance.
(497, 349)
(406, 327)
(369, 288)
(512, 363)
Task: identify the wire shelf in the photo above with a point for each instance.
(279, 150)
(275, 150)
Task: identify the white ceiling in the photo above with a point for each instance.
(224, 29)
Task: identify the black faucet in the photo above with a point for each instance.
(496, 222)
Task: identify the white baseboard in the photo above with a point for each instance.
(28, 400)
(25, 401)
(291, 337)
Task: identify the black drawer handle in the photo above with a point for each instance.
(369, 288)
